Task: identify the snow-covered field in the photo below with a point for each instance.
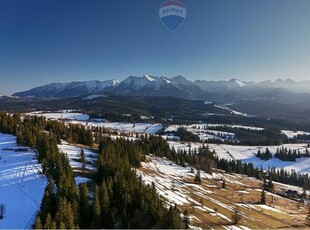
(149, 128)
(169, 180)
(83, 119)
(61, 115)
(74, 155)
(204, 132)
(21, 184)
(247, 154)
(235, 126)
(199, 129)
(292, 134)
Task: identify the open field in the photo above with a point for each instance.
(247, 154)
(211, 206)
(82, 174)
(21, 184)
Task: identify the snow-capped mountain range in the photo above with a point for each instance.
(176, 86)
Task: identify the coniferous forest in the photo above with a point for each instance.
(118, 198)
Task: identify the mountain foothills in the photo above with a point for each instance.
(216, 91)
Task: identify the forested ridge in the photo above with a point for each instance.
(120, 198)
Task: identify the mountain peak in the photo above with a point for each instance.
(149, 77)
(238, 82)
(179, 77)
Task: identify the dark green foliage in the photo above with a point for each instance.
(84, 215)
(265, 155)
(122, 196)
(267, 136)
(186, 135)
(96, 211)
(285, 154)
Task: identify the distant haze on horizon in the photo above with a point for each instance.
(45, 41)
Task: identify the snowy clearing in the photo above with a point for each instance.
(74, 155)
(293, 134)
(61, 115)
(247, 154)
(149, 128)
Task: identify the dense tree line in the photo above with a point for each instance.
(186, 135)
(268, 136)
(302, 138)
(205, 159)
(118, 117)
(129, 203)
(286, 154)
(269, 123)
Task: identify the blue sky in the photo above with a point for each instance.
(43, 41)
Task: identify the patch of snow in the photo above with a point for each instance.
(94, 96)
(293, 134)
(223, 216)
(61, 116)
(148, 77)
(80, 180)
(268, 208)
(74, 155)
(149, 128)
(231, 110)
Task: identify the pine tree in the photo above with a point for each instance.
(38, 224)
(105, 206)
(48, 221)
(96, 211)
(83, 206)
(2, 210)
(172, 219)
(61, 225)
(263, 197)
(186, 219)
(65, 213)
(53, 225)
(224, 184)
(270, 185)
(83, 160)
(236, 216)
(198, 177)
